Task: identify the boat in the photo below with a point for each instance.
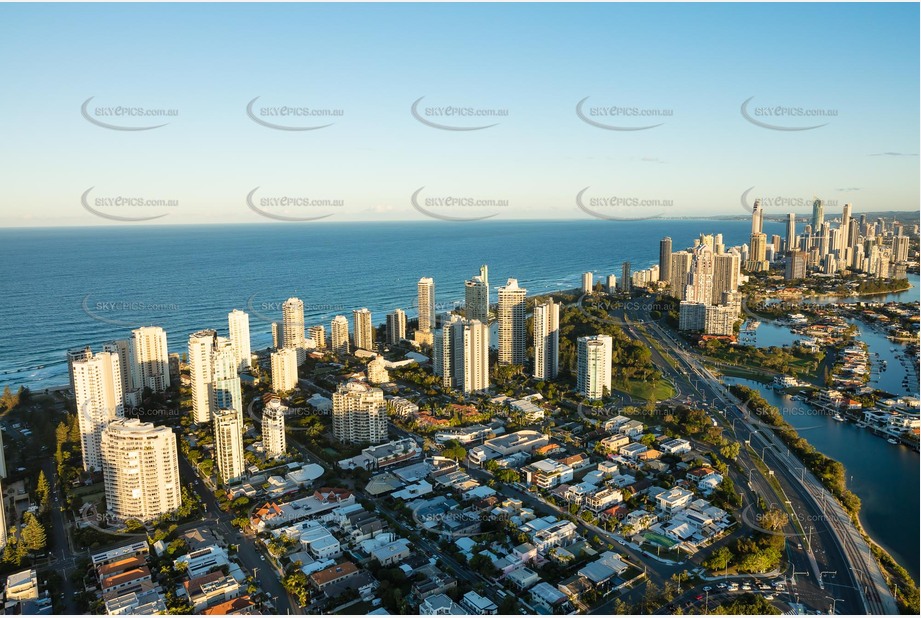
(862, 425)
(838, 418)
(892, 441)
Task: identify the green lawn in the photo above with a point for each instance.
(658, 390)
(662, 540)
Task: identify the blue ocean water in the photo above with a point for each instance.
(68, 287)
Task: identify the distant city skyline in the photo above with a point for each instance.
(541, 84)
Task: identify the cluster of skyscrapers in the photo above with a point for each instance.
(855, 245)
(705, 279)
(138, 460)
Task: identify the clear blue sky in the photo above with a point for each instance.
(373, 61)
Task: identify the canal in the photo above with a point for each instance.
(885, 477)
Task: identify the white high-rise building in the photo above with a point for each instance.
(150, 356)
(225, 381)
(201, 354)
(476, 357)
(364, 330)
(396, 326)
(845, 226)
(122, 347)
(757, 218)
(594, 366)
(100, 400)
(339, 335)
(318, 334)
(377, 371)
(461, 354)
(273, 429)
(818, 214)
(141, 470)
(512, 332)
(284, 370)
(587, 282)
(900, 248)
(426, 300)
(73, 356)
(700, 286)
(238, 321)
(547, 340)
(476, 297)
(228, 443)
(359, 414)
(292, 314)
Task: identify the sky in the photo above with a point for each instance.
(701, 107)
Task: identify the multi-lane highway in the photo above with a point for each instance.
(833, 545)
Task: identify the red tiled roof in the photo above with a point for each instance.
(120, 566)
(321, 578)
(229, 607)
(127, 576)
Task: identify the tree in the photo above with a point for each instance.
(651, 597)
(33, 534)
(454, 451)
(730, 451)
(774, 519)
(43, 490)
(508, 605)
(8, 400)
(483, 565)
(719, 559)
(297, 584)
(14, 552)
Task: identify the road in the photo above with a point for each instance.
(247, 554)
(64, 558)
(833, 545)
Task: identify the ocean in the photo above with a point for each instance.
(69, 287)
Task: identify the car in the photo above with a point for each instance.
(770, 596)
(799, 546)
(707, 588)
(699, 597)
(722, 585)
(261, 557)
(746, 586)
